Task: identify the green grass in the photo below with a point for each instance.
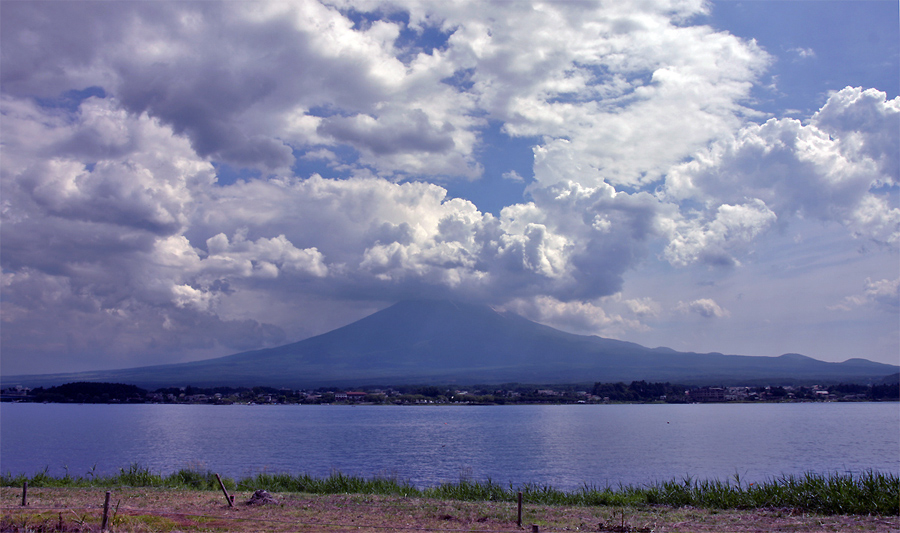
(134, 476)
(336, 483)
(869, 493)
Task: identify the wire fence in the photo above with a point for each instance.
(303, 525)
(85, 522)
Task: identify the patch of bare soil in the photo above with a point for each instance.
(165, 510)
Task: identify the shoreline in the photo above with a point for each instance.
(638, 392)
(867, 493)
(460, 404)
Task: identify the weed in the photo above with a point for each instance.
(870, 492)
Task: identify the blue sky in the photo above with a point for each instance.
(189, 180)
(819, 45)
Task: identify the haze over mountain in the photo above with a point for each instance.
(447, 342)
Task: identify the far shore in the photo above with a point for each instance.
(508, 394)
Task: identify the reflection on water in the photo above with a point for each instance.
(564, 446)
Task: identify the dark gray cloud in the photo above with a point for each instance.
(408, 132)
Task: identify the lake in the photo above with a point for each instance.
(565, 446)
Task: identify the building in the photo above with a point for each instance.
(707, 394)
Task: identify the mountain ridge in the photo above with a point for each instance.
(443, 342)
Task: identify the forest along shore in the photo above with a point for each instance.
(510, 394)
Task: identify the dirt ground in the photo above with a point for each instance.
(166, 510)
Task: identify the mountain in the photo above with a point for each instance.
(443, 342)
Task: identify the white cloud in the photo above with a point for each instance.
(705, 307)
(733, 228)
(867, 126)
(95, 205)
(830, 169)
(114, 225)
(618, 93)
(100, 166)
(284, 62)
(577, 317)
(885, 293)
(512, 175)
(643, 307)
(143, 233)
(882, 294)
(397, 237)
(632, 88)
(264, 257)
(803, 53)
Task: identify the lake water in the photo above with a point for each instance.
(563, 446)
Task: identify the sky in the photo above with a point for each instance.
(187, 180)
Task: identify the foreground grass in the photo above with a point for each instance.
(869, 493)
(168, 510)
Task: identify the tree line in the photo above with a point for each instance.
(510, 393)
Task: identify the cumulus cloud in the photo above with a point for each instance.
(867, 126)
(303, 75)
(882, 294)
(734, 227)
(599, 83)
(830, 169)
(576, 317)
(95, 204)
(643, 307)
(116, 117)
(146, 227)
(804, 53)
(408, 237)
(705, 307)
(512, 175)
(100, 165)
(286, 64)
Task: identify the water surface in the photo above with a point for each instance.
(564, 446)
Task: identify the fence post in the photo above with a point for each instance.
(104, 524)
(24, 494)
(228, 498)
(519, 519)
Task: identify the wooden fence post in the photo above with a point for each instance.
(228, 498)
(24, 494)
(519, 519)
(104, 524)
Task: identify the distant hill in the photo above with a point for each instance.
(441, 342)
(891, 379)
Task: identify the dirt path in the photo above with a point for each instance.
(166, 510)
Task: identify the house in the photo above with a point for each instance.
(15, 394)
(737, 394)
(707, 394)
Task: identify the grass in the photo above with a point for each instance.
(868, 493)
(134, 476)
(177, 510)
